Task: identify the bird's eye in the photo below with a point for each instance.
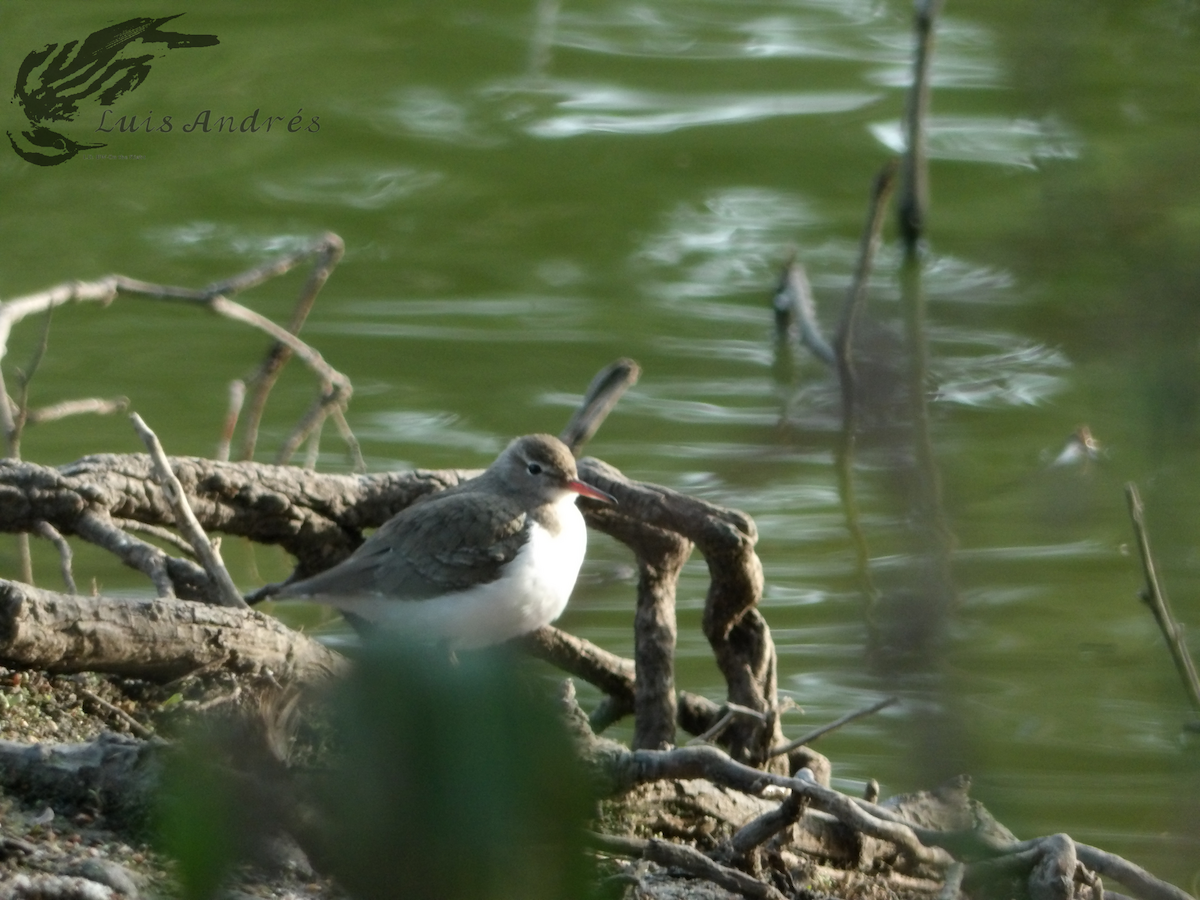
(535, 469)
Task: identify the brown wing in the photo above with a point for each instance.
(447, 543)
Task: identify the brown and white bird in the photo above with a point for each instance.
(482, 562)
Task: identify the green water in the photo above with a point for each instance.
(528, 192)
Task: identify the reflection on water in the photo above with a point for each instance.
(222, 240)
(358, 189)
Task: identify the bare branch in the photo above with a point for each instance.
(185, 519)
(83, 406)
(163, 534)
(338, 414)
(601, 396)
(329, 252)
(129, 721)
(766, 826)
(640, 766)
(1156, 598)
(98, 528)
(834, 725)
(50, 533)
(793, 302)
(335, 387)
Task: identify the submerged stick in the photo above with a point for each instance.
(1155, 597)
(914, 193)
(793, 303)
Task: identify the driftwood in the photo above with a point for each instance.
(919, 834)
(159, 640)
(319, 519)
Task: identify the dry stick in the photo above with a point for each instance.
(972, 844)
(94, 405)
(50, 533)
(133, 724)
(336, 388)
(834, 725)
(601, 396)
(305, 428)
(731, 711)
(13, 433)
(99, 529)
(237, 397)
(163, 534)
(793, 301)
(687, 858)
(23, 380)
(763, 828)
(641, 766)
(185, 519)
(612, 674)
(329, 251)
(1155, 597)
(914, 193)
(313, 452)
(339, 419)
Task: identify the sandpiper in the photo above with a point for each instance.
(485, 561)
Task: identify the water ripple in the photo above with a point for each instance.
(609, 109)
(982, 139)
(355, 188)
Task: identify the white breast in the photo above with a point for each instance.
(532, 592)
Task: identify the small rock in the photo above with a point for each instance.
(109, 873)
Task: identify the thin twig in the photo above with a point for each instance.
(329, 252)
(338, 414)
(308, 423)
(50, 533)
(163, 534)
(313, 451)
(335, 387)
(185, 519)
(14, 424)
(732, 710)
(681, 856)
(601, 396)
(83, 406)
(134, 725)
(834, 725)
(881, 191)
(1155, 597)
(793, 302)
(23, 381)
(98, 528)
